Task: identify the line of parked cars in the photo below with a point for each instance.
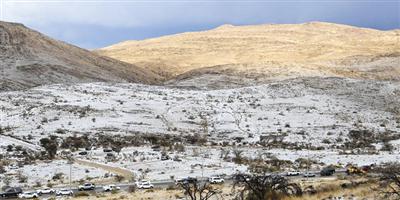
(188, 180)
(327, 171)
(14, 192)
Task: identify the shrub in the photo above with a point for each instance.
(119, 178)
(114, 191)
(58, 176)
(132, 189)
(171, 187)
(82, 194)
(257, 187)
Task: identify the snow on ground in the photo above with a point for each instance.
(146, 163)
(43, 172)
(302, 111)
(287, 107)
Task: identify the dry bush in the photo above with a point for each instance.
(199, 191)
(264, 187)
(389, 177)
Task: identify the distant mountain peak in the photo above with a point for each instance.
(225, 26)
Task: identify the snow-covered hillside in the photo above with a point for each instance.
(304, 110)
(289, 120)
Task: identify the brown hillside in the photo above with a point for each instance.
(29, 58)
(269, 51)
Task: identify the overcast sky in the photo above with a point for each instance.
(94, 24)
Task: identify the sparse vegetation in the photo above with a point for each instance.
(264, 187)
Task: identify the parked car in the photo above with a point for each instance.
(177, 159)
(83, 153)
(144, 185)
(164, 157)
(309, 174)
(12, 167)
(45, 191)
(107, 150)
(293, 173)
(28, 195)
(185, 180)
(141, 181)
(327, 171)
(64, 192)
(86, 186)
(11, 192)
(109, 188)
(109, 155)
(216, 180)
(156, 148)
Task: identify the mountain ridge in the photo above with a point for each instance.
(228, 26)
(30, 58)
(326, 48)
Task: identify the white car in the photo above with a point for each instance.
(144, 185)
(141, 182)
(309, 174)
(215, 180)
(28, 195)
(109, 188)
(87, 186)
(45, 191)
(64, 192)
(293, 173)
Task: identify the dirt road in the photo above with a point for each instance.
(128, 175)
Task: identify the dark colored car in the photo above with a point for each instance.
(11, 192)
(107, 150)
(186, 180)
(164, 157)
(83, 153)
(156, 148)
(327, 171)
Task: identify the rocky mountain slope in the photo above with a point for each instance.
(268, 52)
(29, 58)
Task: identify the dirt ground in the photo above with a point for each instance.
(327, 189)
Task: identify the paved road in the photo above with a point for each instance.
(167, 183)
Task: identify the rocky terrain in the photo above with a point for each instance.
(267, 52)
(314, 106)
(29, 58)
(325, 120)
(233, 99)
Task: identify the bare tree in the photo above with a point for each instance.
(389, 180)
(265, 187)
(238, 156)
(199, 191)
